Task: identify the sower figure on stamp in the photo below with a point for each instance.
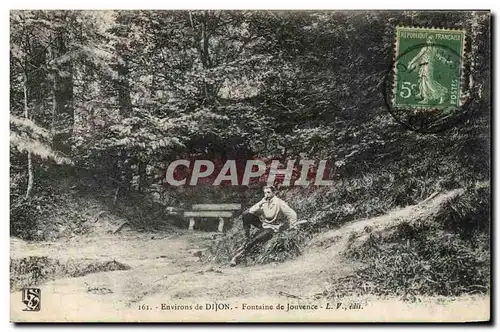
(429, 88)
(267, 215)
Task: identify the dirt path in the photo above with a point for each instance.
(164, 272)
(164, 266)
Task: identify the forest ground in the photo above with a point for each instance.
(165, 268)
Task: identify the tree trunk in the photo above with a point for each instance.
(31, 179)
(35, 77)
(64, 101)
(123, 87)
(141, 168)
(204, 53)
(122, 84)
(54, 107)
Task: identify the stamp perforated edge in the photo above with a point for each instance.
(463, 96)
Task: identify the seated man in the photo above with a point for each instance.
(266, 215)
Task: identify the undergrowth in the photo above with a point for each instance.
(282, 246)
(35, 270)
(447, 256)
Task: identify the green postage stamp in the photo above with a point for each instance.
(428, 68)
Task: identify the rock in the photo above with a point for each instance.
(196, 252)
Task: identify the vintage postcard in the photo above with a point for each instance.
(250, 166)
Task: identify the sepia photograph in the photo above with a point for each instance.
(250, 166)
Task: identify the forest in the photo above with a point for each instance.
(101, 102)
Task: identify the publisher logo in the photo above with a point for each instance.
(32, 298)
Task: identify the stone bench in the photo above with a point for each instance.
(219, 211)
